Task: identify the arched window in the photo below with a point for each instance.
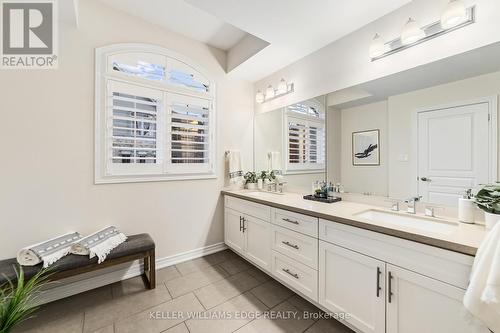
(154, 116)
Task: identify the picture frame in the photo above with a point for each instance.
(366, 148)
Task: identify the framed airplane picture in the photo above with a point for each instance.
(366, 148)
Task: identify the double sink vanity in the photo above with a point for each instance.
(386, 271)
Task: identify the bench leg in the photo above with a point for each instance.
(152, 270)
(149, 273)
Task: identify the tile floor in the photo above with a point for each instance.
(217, 293)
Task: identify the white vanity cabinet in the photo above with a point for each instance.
(354, 284)
(384, 284)
(247, 230)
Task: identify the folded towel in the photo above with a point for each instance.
(482, 298)
(235, 170)
(48, 251)
(99, 243)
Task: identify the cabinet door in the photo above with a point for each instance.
(352, 283)
(233, 232)
(421, 304)
(258, 242)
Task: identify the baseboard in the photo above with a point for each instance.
(79, 284)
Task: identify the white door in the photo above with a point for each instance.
(233, 230)
(453, 151)
(420, 304)
(352, 283)
(258, 241)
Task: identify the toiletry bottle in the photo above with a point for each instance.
(466, 207)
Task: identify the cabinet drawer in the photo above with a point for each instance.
(300, 247)
(297, 276)
(259, 211)
(302, 223)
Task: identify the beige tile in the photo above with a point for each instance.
(271, 293)
(282, 318)
(131, 286)
(329, 326)
(121, 307)
(197, 264)
(304, 305)
(69, 323)
(196, 280)
(239, 308)
(258, 274)
(107, 329)
(166, 274)
(236, 265)
(181, 328)
(220, 291)
(67, 307)
(161, 317)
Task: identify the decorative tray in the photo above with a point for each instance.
(325, 200)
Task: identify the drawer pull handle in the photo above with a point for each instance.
(241, 220)
(390, 287)
(287, 271)
(291, 245)
(379, 272)
(290, 221)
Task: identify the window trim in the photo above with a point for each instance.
(103, 75)
(301, 169)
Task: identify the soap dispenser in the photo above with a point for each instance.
(466, 207)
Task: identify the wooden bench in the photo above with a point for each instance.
(136, 247)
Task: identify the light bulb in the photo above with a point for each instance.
(259, 97)
(282, 87)
(411, 32)
(270, 92)
(377, 47)
(454, 14)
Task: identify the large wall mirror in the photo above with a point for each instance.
(292, 141)
(430, 132)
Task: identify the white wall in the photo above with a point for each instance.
(333, 144)
(346, 63)
(47, 144)
(402, 107)
(361, 179)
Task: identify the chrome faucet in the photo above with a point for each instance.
(280, 186)
(411, 202)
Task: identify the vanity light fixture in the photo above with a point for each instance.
(455, 16)
(411, 32)
(377, 47)
(284, 88)
(270, 93)
(259, 97)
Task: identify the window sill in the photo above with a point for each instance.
(147, 179)
(301, 172)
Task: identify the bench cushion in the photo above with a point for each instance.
(134, 244)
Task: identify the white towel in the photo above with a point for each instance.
(99, 244)
(235, 171)
(48, 251)
(482, 298)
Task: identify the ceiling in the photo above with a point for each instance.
(293, 28)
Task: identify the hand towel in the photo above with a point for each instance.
(235, 170)
(482, 298)
(99, 244)
(48, 251)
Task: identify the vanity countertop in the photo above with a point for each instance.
(465, 239)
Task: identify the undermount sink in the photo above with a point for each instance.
(410, 221)
(263, 194)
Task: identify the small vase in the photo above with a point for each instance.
(251, 186)
(490, 220)
(260, 184)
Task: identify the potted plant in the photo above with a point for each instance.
(17, 301)
(261, 179)
(250, 180)
(488, 199)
